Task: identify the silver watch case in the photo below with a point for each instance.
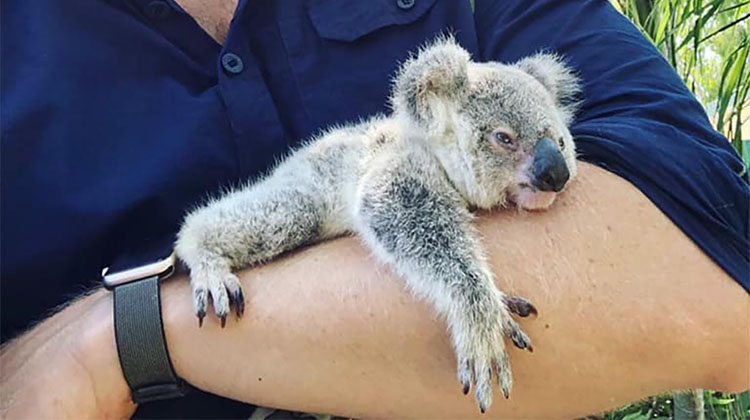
(162, 268)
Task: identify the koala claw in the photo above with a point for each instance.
(238, 300)
(482, 353)
(225, 291)
(483, 392)
(482, 379)
(504, 376)
(465, 374)
(519, 338)
(199, 304)
(506, 393)
(520, 306)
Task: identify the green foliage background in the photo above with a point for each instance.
(708, 43)
(716, 405)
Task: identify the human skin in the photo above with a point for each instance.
(628, 307)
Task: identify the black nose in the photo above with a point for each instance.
(549, 169)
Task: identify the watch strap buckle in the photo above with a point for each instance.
(158, 392)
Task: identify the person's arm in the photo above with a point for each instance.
(628, 307)
(66, 366)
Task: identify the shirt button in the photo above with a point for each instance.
(232, 63)
(157, 9)
(405, 4)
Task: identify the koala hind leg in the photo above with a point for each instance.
(243, 228)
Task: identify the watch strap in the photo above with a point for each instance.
(141, 345)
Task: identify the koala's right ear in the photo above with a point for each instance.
(437, 73)
(552, 72)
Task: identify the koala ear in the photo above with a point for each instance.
(437, 72)
(552, 72)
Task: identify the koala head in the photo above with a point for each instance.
(500, 131)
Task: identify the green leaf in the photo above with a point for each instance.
(635, 416)
(722, 401)
(659, 33)
(729, 77)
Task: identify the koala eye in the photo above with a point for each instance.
(504, 139)
(561, 143)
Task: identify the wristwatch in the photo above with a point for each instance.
(134, 280)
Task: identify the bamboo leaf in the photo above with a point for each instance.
(722, 401)
(635, 416)
(659, 33)
(729, 77)
(725, 27)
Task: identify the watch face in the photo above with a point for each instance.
(153, 257)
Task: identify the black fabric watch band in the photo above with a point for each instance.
(141, 345)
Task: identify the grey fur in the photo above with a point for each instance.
(405, 183)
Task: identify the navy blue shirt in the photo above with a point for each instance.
(118, 115)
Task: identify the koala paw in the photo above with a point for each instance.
(224, 289)
(481, 350)
(520, 306)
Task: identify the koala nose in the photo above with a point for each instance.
(549, 169)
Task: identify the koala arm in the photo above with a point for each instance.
(246, 227)
(425, 234)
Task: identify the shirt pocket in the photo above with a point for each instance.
(343, 54)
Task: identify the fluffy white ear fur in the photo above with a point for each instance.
(557, 77)
(437, 71)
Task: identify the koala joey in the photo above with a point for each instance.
(462, 135)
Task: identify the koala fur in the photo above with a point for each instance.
(462, 135)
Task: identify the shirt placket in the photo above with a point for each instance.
(250, 107)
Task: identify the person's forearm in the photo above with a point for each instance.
(66, 366)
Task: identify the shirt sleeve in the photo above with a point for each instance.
(637, 120)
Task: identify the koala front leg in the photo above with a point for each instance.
(427, 237)
(243, 228)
